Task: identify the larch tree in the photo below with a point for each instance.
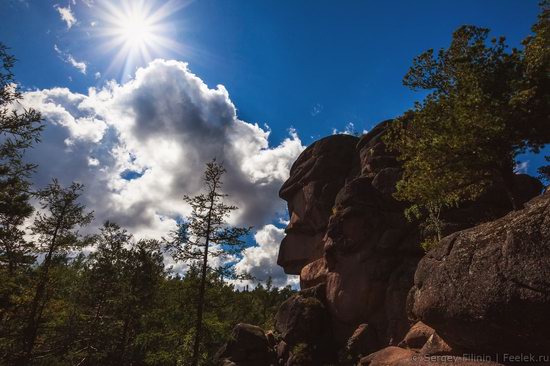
(205, 234)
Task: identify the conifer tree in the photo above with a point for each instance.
(55, 228)
(485, 106)
(18, 132)
(205, 234)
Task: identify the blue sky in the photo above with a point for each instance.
(304, 68)
(314, 65)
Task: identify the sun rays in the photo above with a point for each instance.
(137, 31)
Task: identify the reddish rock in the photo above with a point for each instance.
(395, 356)
(315, 179)
(362, 342)
(435, 346)
(371, 253)
(347, 231)
(417, 336)
(314, 274)
(486, 289)
(389, 356)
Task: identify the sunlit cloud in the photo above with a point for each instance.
(66, 15)
(68, 58)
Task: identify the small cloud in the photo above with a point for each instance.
(80, 65)
(317, 108)
(522, 167)
(66, 15)
(348, 130)
(93, 161)
(284, 221)
(68, 58)
(97, 75)
(93, 24)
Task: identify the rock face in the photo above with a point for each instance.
(487, 289)
(483, 289)
(315, 179)
(248, 346)
(304, 325)
(348, 232)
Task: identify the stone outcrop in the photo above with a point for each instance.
(357, 257)
(487, 289)
(395, 356)
(346, 230)
(315, 179)
(304, 326)
(248, 346)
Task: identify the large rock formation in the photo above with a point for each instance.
(487, 289)
(315, 179)
(348, 232)
(357, 256)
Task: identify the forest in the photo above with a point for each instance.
(104, 298)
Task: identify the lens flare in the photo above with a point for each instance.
(137, 31)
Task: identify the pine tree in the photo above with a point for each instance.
(56, 231)
(485, 106)
(205, 234)
(18, 132)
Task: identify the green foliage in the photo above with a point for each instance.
(105, 299)
(544, 171)
(206, 234)
(485, 106)
(119, 306)
(18, 131)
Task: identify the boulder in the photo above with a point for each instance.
(304, 326)
(302, 319)
(362, 342)
(417, 336)
(314, 273)
(395, 356)
(436, 346)
(248, 346)
(388, 356)
(487, 289)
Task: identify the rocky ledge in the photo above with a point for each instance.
(371, 296)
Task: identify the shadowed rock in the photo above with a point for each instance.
(487, 288)
(315, 179)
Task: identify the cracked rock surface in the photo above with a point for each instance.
(488, 288)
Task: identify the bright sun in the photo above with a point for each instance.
(137, 31)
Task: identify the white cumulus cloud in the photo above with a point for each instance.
(261, 261)
(140, 146)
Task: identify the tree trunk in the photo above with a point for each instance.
(507, 176)
(35, 314)
(200, 306)
(30, 332)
